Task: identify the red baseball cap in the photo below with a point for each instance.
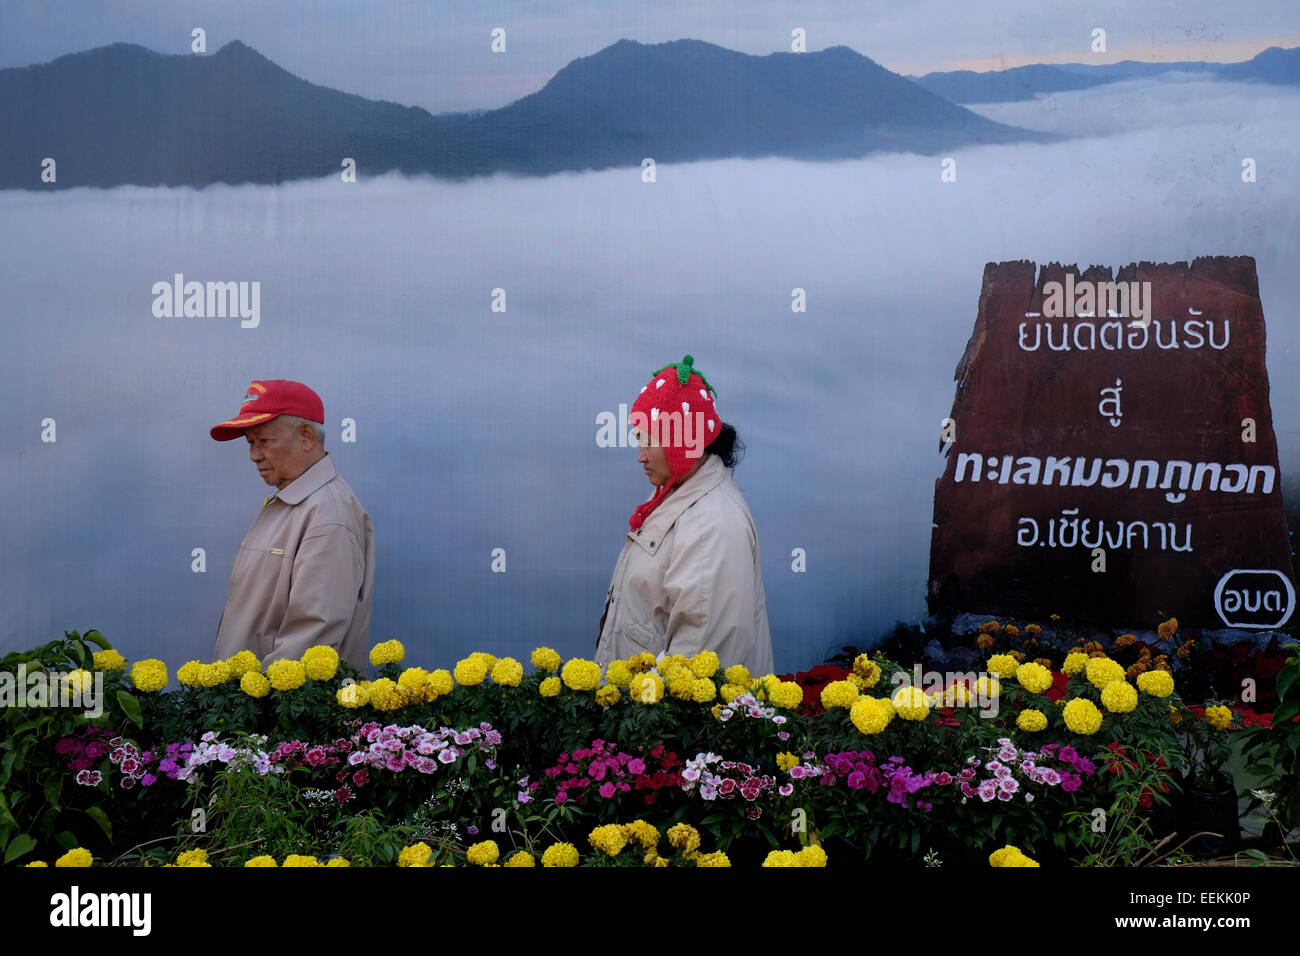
(270, 398)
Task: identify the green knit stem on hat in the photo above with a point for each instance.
(684, 369)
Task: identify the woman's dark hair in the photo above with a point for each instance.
(727, 446)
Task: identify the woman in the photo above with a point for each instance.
(688, 578)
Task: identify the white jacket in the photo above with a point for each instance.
(689, 579)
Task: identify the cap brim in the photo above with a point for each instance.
(234, 428)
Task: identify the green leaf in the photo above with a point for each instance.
(19, 845)
(97, 639)
(131, 707)
(1286, 711)
(100, 817)
(1285, 678)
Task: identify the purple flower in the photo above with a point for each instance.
(148, 780)
(857, 780)
(785, 789)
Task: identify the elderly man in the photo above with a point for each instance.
(305, 573)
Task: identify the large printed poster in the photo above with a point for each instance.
(477, 230)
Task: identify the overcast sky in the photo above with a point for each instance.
(437, 55)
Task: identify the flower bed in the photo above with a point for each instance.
(648, 762)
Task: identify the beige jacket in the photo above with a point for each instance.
(304, 574)
(689, 579)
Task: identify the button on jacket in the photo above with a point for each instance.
(304, 575)
(689, 579)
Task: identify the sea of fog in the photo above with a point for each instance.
(475, 429)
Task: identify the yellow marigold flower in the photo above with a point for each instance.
(986, 688)
(414, 682)
(608, 695)
(763, 686)
(389, 652)
(1010, 856)
(1044, 662)
(193, 858)
(507, 672)
(415, 855)
(737, 674)
(214, 674)
(956, 694)
(520, 858)
(1002, 666)
(679, 680)
(1033, 630)
(1184, 651)
(1125, 640)
(386, 694)
(188, 674)
(243, 662)
(684, 836)
(296, 859)
(618, 673)
(441, 681)
(1017, 656)
(75, 857)
(729, 692)
(867, 669)
(560, 854)
(703, 690)
(320, 662)
(337, 861)
(984, 641)
(1157, 683)
(1119, 697)
(869, 716)
(647, 688)
(286, 675)
(1175, 717)
(483, 853)
(1031, 721)
(254, 684)
(262, 861)
(781, 858)
(352, 696)
(705, 664)
(1034, 678)
(1102, 670)
(470, 672)
(609, 839)
(108, 660)
(811, 855)
(717, 858)
(550, 687)
(79, 680)
(1082, 716)
(990, 627)
(787, 695)
(580, 674)
(1075, 662)
(545, 659)
(1167, 629)
(642, 833)
(786, 760)
(149, 675)
(39, 863)
(910, 703)
(1220, 717)
(1011, 631)
(489, 661)
(1093, 647)
(839, 693)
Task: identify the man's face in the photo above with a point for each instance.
(280, 453)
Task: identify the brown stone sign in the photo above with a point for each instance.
(1110, 451)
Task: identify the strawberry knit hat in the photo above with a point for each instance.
(677, 409)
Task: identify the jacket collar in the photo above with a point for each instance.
(311, 480)
(659, 521)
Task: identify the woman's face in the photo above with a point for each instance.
(654, 461)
